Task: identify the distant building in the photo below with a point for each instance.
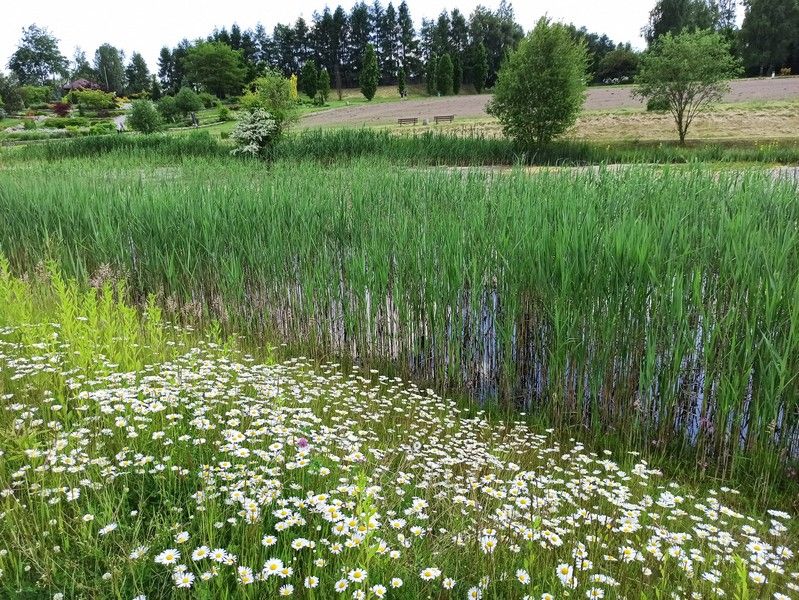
(81, 84)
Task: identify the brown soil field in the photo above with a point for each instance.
(473, 107)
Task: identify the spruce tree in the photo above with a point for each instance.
(401, 83)
(480, 67)
(309, 79)
(369, 73)
(430, 76)
(444, 75)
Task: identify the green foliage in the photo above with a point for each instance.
(208, 100)
(430, 76)
(677, 16)
(255, 134)
(110, 68)
(690, 70)
(137, 75)
(541, 87)
(444, 75)
(216, 67)
(187, 101)
(309, 79)
(37, 59)
(657, 104)
(324, 86)
(10, 93)
(618, 66)
(769, 34)
(369, 76)
(155, 89)
(480, 68)
(168, 108)
(273, 93)
(402, 86)
(35, 94)
(64, 122)
(457, 74)
(92, 99)
(144, 117)
(102, 128)
(223, 114)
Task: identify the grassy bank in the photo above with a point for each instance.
(654, 306)
(149, 462)
(423, 149)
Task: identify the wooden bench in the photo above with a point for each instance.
(408, 121)
(444, 119)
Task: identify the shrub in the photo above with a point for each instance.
(168, 108)
(35, 94)
(223, 114)
(541, 86)
(785, 72)
(369, 73)
(102, 128)
(272, 93)
(61, 108)
(255, 134)
(144, 117)
(208, 99)
(3, 113)
(64, 122)
(430, 76)
(92, 99)
(10, 94)
(29, 124)
(187, 101)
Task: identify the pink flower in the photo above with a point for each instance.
(302, 442)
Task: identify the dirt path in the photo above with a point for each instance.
(600, 98)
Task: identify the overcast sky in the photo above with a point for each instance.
(147, 25)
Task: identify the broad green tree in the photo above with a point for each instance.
(444, 75)
(769, 32)
(688, 71)
(369, 73)
(216, 67)
(37, 59)
(676, 16)
(541, 87)
(110, 68)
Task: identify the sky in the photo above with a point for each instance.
(147, 25)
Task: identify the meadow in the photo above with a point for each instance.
(143, 460)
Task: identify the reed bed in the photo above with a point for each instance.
(660, 307)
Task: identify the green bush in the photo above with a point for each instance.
(92, 99)
(208, 99)
(29, 124)
(35, 94)
(541, 86)
(187, 101)
(144, 117)
(168, 109)
(444, 75)
(64, 122)
(255, 134)
(370, 75)
(223, 114)
(102, 128)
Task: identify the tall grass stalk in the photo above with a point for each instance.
(661, 307)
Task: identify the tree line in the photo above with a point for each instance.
(447, 52)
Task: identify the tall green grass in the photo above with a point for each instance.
(331, 146)
(660, 307)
